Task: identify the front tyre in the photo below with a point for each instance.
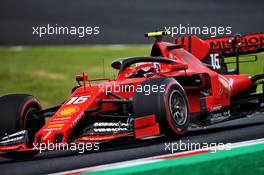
(170, 106)
(17, 113)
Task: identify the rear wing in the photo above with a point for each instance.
(226, 46)
(212, 51)
(249, 43)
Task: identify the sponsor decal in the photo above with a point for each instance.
(12, 140)
(61, 118)
(220, 115)
(111, 124)
(216, 108)
(55, 125)
(56, 122)
(248, 43)
(51, 129)
(109, 129)
(23, 132)
(68, 111)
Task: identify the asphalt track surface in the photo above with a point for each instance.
(233, 131)
(122, 22)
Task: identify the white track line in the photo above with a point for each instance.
(153, 159)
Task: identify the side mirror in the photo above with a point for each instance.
(82, 77)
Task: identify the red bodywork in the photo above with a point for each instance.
(188, 62)
(222, 88)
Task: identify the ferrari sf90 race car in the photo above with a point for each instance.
(184, 83)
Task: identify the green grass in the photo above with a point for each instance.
(48, 72)
(249, 67)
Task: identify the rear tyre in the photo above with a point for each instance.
(169, 105)
(16, 114)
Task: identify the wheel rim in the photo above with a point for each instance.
(178, 108)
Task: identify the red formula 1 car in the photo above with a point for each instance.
(182, 84)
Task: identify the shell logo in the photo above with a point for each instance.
(68, 111)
